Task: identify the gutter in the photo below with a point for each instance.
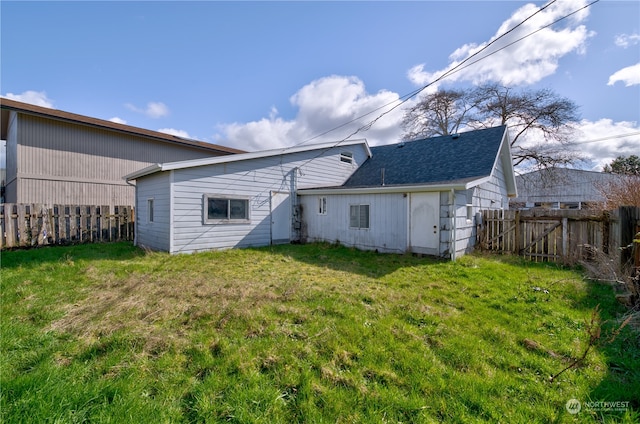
(394, 189)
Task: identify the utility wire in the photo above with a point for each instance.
(462, 65)
(403, 99)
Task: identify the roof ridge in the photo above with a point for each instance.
(6, 103)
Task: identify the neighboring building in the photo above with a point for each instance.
(561, 188)
(235, 201)
(56, 157)
(420, 196)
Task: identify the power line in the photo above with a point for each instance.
(607, 138)
(460, 66)
(403, 99)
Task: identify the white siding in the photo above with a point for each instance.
(489, 195)
(388, 221)
(154, 235)
(255, 179)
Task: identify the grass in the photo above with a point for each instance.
(314, 333)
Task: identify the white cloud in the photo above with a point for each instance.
(526, 61)
(172, 131)
(118, 120)
(627, 40)
(153, 110)
(603, 140)
(629, 75)
(323, 104)
(38, 98)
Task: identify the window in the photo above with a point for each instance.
(149, 210)
(322, 205)
(469, 213)
(219, 209)
(359, 216)
(346, 157)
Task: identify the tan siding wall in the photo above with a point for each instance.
(12, 155)
(51, 192)
(61, 162)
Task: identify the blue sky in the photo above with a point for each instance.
(260, 75)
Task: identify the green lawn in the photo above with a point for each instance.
(304, 333)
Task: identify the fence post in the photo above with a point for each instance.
(565, 236)
(627, 225)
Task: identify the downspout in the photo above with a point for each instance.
(453, 224)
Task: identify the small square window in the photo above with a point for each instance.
(359, 216)
(346, 157)
(322, 205)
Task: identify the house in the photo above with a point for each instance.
(561, 188)
(57, 157)
(420, 196)
(232, 201)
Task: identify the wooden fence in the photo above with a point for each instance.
(30, 225)
(565, 236)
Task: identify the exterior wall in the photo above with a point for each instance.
(256, 179)
(389, 212)
(388, 223)
(489, 195)
(11, 183)
(561, 188)
(154, 235)
(65, 163)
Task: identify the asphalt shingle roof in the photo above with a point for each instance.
(432, 160)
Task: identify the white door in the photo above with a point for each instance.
(280, 217)
(424, 234)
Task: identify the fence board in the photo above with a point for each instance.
(28, 225)
(565, 236)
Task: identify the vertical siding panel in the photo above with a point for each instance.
(62, 162)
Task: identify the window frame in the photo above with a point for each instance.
(346, 157)
(228, 220)
(359, 225)
(322, 205)
(150, 210)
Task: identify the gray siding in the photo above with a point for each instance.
(388, 221)
(154, 235)
(60, 162)
(560, 185)
(255, 179)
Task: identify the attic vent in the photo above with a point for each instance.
(346, 157)
(401, 144)
(454, 136)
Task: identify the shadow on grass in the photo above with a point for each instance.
(341, 258)
(48, 254)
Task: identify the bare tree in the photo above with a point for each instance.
(526, 112)
(440, 113)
